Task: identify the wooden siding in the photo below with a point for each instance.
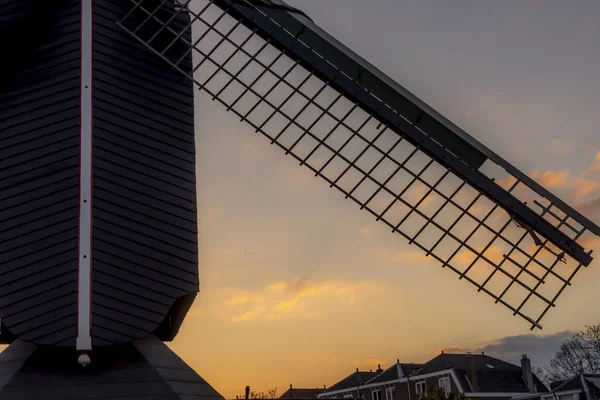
(39, 144)
(145, 247)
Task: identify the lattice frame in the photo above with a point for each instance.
(368, 159)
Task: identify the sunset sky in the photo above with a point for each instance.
(298, 286)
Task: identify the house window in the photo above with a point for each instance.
(444, 384)
(420, 387)
(376, 394)
(348, 396)
(389, 393)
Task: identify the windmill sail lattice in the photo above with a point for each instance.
(379, 145)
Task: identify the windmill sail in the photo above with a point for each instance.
(378, 144)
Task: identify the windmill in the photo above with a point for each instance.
(98, 233)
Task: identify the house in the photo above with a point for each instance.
(474, 375)
(301, 393)
(477, 376)
(385, 385)
(580, 387)
(351, 386)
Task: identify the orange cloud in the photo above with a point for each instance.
(493, 253)
(243, 299)
(553, 179)
(585, 187)
(279, 300)
(367, 230)
(596, 164)
(560, 147)
(506, 183)
(278, 287)
(256, 312)
(403, 257)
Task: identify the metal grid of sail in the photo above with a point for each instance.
(366, 156)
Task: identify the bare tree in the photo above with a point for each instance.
(542, 375)
(579, 354)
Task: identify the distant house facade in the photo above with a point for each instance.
(474, 375)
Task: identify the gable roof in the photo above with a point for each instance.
(592, 381)
(493, 375)
(457, 361)
(392, 372)
(301, 393)
(357, 378)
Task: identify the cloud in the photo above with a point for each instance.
(252, 314)
(403, 257)
(562, 180)
(575, 187)
(584, 187)
(278, 287)
(595, 165)
(560, 147)
(239, 300)
(295, 299)
(540, 349)
(552, 179)
(367, 230)
(493, 253)
(591, 209)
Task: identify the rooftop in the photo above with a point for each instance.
(493, 375)
(396, 371)
(357, 378)
(301, 393)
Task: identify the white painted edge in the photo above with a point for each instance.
(84, 339)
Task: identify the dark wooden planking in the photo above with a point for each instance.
(39, 143)
(145, 245)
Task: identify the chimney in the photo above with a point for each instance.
(527, 374)
(247, 392)
(356, 369)
(379, 370)
(471, 369)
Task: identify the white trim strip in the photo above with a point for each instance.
(84, 340)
